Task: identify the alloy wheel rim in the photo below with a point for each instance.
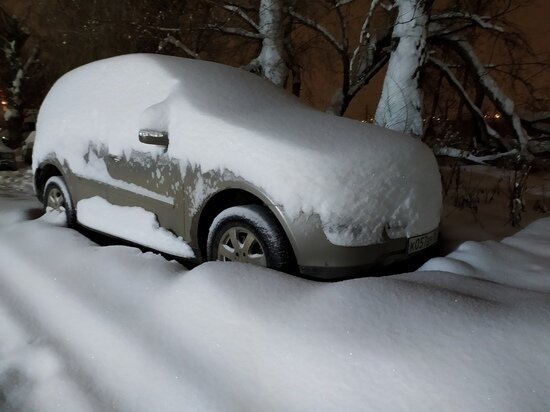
(56, 200)
(239, 244)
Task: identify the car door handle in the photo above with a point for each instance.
(116, 159)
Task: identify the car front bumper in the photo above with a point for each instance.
(318, 258)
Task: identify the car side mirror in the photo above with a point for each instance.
(154, 137)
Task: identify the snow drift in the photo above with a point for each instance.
(358, 178)
(88, 328)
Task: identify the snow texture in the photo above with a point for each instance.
(358, 178)
(134, 224)
(525, 253)
(88, 328)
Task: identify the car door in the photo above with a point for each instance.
(148, 180)
(88, 180)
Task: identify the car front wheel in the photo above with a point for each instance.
(248, 234)
(58, 198)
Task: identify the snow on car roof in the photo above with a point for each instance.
(358, 178)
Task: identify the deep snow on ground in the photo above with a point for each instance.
(90, 328)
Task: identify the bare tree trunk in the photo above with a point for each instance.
(401, 104)
(479, 125)
(271, 58)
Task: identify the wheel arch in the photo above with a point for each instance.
(41, 176)
(225, 199)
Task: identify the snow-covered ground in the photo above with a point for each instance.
(484, 209)
(90, 328)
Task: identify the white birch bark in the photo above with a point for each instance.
(270, 61)
(271, 58)
(400, 107)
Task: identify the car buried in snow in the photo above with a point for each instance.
(209, 162)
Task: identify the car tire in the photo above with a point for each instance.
(58, 197)
(249, 234)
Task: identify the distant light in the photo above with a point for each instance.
(498, 116)
(5, 103)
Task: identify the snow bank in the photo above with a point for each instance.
(134, 224)
(112, 329)
(358, 178)
(525, 255)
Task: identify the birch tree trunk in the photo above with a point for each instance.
(271, 58)
(401, 106)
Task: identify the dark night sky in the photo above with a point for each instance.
(532, 19)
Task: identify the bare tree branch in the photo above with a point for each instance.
(235, 31)
(177, 43)
(504, 104)
(242, 14)
(476, 111)
(482, 21)
(466, 155)
(318, 28)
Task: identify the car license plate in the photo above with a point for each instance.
(418, 243)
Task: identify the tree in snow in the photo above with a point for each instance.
(401, 105)
(417, 39)
(454, 37)
(261, 22)
(361, 58)
(385, 38)
(17, 64)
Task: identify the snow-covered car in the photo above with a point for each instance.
(7, 158)
(210, 162)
